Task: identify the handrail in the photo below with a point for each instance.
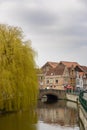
(82, 100)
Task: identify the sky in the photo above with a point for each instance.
(57, 28)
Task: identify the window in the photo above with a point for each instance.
(56, 81)
(47, 81)
(51, 81)
(77, 81)
(72, 71)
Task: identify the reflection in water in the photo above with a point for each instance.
(59, 115)
(19, 121)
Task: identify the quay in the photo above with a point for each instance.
(80, 99)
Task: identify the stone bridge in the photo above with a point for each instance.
(53, 94)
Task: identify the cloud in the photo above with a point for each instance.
(57, 28)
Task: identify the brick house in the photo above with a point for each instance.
(49, 65)
(84, 69)
(57, 75)
(43, 71)
(72, 72)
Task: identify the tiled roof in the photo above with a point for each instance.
(50, 72)
(81, 73)
(69, 64)
(52, 64)
(56, 71)
(59, 70)
(84, 68)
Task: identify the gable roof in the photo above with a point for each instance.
(59, 70)
(69, 64)
(84, 68)
(81, 73)
(52, 64)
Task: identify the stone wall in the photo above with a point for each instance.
(81, 112)
(82, 116)
(71, 97)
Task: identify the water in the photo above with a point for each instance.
(58, 116)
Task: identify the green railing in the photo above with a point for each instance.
(82, 100)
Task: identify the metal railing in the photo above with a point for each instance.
(83, 100)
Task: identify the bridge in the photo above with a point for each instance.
(52, 94)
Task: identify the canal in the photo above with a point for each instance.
(62, 115)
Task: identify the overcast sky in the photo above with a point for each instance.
(57, 28)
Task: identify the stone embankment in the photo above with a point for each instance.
(81, 112)
(72, 97)
(82, 115)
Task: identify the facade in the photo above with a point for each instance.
(54, 78)
(72, 73)
(57, 75)
(84, 68)
(48, 66)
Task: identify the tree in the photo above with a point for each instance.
(18, 80)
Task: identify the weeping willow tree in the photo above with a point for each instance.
(18, 80)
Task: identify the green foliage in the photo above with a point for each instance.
(18, 80)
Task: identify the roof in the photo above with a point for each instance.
(52, 64)
(56, 71)
(69, 64)
(84, 68)
(59, 70)
(81, 73)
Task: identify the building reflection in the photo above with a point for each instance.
(58, 113)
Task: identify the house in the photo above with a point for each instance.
(42, 75)
(54, 75)
(72, 73)
(48, 65)
(57, 75)
(79, 77)
(84, 68)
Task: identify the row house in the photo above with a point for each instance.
(53, 75)
(48, 66)
(79, 77)
(43, 71)
(57, 75)
(72, 73)
(84, 76)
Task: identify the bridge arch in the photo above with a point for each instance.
(52, 94)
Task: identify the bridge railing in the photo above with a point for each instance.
(83, 100)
